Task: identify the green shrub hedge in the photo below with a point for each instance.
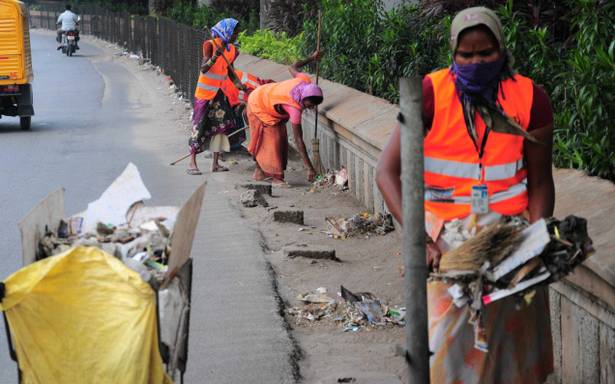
(276, 46)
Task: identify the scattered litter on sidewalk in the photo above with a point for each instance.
(367, 303)
(337, 179)
(322, 181)
(319, 295)
(353, 312)
(341, 178)
(359, 224)
(510, 258)
(396, 315)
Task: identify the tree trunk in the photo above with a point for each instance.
(264, 13)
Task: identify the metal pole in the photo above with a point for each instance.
(411, 122)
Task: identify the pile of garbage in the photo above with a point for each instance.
(337, 179)
(144, 247)
(120, 224)
(510, 258)
(359, 224)
(352, 311)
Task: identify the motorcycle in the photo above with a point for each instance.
(69, 42)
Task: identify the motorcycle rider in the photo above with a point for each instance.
(68, 21)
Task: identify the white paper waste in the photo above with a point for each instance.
(112, 206)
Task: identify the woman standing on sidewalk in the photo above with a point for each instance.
(213, 115)
(270, 106)
(467, 150)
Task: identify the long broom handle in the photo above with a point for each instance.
(230, 66)
(317, 71)
(188, 155)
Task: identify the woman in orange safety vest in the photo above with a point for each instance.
(213, 117)
(269, 108)
(478, 170)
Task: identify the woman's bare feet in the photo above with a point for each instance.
(258, 174)
(193, 169)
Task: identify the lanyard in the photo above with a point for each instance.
(470, 126)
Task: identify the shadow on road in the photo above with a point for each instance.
(86, 55)
(13, 126)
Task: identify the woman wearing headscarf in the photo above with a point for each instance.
(270, 106)
(487, 148)
(213, 116)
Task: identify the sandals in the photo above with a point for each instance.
(193, 171)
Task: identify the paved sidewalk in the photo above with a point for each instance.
(234, 308)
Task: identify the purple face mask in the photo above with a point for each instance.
(478, 79)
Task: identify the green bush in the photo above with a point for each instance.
(569, 48)
(371, 50)
(583, 93)
(271, 45)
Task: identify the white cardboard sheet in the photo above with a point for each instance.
(113, 204)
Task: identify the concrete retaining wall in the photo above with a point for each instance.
(354, 127)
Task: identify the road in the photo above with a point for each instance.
(93, 116)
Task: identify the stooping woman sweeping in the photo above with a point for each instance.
(487, 148)
(270, 106)
(213, 116)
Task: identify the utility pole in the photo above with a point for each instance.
(417, 341)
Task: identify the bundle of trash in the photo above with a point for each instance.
(352, 312)
(510, 258)
(359, 224)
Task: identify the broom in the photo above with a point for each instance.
(495, 242)
(315, 141)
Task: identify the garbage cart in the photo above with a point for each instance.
(103, 283)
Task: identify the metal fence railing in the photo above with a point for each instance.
(174, 47)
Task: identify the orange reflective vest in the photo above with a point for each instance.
(263, 100)
(234, 95)
(452, 163)
(210, 82)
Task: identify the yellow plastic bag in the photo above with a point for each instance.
(83, 317)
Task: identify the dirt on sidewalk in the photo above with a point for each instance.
(368, 263)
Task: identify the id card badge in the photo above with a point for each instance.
(480, 199)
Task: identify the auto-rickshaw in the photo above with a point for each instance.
(16, 73)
